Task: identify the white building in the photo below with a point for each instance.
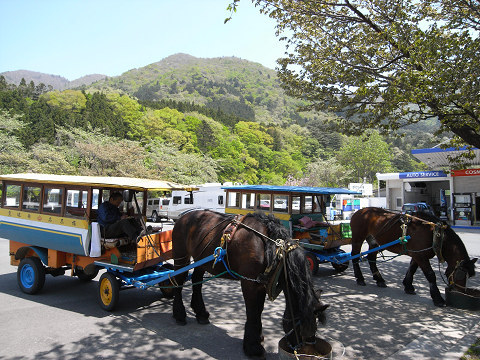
(454, 194)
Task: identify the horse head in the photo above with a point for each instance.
(303, 309)
(463, 270)
(451, 247)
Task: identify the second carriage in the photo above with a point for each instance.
(302, 210)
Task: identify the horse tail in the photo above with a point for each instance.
(301, 286)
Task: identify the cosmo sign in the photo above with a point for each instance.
(422, 174)
(467, 172)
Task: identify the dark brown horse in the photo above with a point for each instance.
(251, 250)
(379, 226)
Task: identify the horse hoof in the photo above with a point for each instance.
(381, 284)
(261, 355)
(181, 322)
(361, 282)
(440, 303)
(203, 321)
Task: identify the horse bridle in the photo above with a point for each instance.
(460, 268)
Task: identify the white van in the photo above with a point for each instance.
(157, 208)
(208, 196)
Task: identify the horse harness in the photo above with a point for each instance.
(437, 228)
(271, 276)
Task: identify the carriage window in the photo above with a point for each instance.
(248, 201)
(233, 199)
(318, 204)
(295, 204)
(12, 196)
(31, 198)
(52, 201)
(307, 204)
(263, 202)
(280, 203)
(76, 203)
(95, 197)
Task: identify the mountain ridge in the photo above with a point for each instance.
(57, 82)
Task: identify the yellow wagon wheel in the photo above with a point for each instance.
(108, 291)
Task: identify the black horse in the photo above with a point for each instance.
(252, 256)
(380, 226)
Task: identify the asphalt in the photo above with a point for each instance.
(65, 321)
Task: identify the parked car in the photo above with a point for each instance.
(157, 208)
(410, 208)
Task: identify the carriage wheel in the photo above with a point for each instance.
(31, 275)
(108, 291)
(168, 290)
(312, 262)
(86, 277)
(340, 267)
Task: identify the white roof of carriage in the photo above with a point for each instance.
(100, 181)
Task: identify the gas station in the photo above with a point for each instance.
(454, 195)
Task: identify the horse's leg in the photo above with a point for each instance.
(372, 261)
(437, 298)
(408, 280)
(254, 296)
(197, 303)
(356, 248)
(179, 312)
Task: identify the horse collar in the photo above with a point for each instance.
(230, 230)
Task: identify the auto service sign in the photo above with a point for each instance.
(466, 172)
(422, 174)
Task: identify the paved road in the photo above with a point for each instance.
(64, 320)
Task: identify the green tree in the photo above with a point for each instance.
(13, 156)
(381, 63)
(365, 155)
(323, 173)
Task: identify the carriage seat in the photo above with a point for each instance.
(308, 223)
(97, 241)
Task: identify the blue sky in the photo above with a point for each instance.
(73, 38)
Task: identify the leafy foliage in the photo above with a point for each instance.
(383, 64)
(111, 133)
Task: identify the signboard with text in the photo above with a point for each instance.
(466, 172)
(422, 174)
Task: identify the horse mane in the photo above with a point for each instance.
(450, 233)
(275, 230)
(299, 275)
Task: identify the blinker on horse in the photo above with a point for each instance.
(429, 236)
(251, 251)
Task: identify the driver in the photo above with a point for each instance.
(113, 224)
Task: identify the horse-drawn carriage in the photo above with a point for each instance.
(302, 210)
(51, 222)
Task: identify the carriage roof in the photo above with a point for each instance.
(293, 189)
(100, 181)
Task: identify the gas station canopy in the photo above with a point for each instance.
(436, 158)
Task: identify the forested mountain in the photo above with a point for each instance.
(55, 81)
(235, 86)
(188, 120)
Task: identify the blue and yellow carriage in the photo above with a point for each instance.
(302, 210)
(51, 223)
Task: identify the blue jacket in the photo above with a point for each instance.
(108, 214)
